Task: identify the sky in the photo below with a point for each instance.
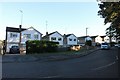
(64, 17)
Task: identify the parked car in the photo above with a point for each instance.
(14, 50)
(105, 46)
(118, 45)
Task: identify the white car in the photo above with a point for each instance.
(105, 46)
(118, 45)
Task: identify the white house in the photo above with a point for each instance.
(98, 39)
(107, 39)
(13, 36)
(70, 39)
(55, 37)
(30, 34)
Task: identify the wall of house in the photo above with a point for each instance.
(98, 39)
(81, 40)
(32, 33)
(106, 39)
(12, 39)
(57, 37)
(72, 37)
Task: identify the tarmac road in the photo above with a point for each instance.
(99, 64)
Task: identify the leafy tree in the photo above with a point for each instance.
(110, 11)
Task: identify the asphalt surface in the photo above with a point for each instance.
(11, 58)
(98, 64)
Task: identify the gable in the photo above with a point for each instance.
(72, 36)
(31, 30)
(56, 34)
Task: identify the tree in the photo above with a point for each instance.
(110, 11)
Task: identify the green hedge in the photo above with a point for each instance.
(36, 46)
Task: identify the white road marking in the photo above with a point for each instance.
(98, 68)
(116, 57)
(52, 76)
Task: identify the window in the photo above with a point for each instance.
(36, 36)
(53, 38)
(59, 39)
(13, 35)
(74, 39)
(70, 39)
(27, 36)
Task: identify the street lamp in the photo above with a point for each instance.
(86, 35)
(86, 32)
(20, 28)
(21, 16)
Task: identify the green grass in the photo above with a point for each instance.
(83, 49)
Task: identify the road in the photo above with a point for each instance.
(99, 64)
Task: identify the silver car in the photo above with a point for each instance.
(105, 46)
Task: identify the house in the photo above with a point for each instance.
(82, 40)
(70, 39)
(107, 39)
(54, 36)
(13, 36)
(98, 39)
(1, 46)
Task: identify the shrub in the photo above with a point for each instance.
(36, 46)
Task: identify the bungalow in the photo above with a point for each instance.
(70, 39)
(13, 36)
(54, 36)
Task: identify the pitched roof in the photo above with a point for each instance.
(52, 33)
(68, 35)
(34, 29)
(13, 29)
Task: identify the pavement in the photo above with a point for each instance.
(10, 58)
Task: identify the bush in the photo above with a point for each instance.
(36, 46)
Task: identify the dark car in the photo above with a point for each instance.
(14, 50)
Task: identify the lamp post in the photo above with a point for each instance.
(86, 32)
(86, 40)
(20, 28)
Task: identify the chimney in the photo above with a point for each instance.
(46, 33)
(20, 27)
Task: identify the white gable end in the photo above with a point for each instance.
(72, 40)
(56, 38)
(30, 34)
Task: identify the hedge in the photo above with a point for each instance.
(36, 46)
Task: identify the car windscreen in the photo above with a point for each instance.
(104, 43)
